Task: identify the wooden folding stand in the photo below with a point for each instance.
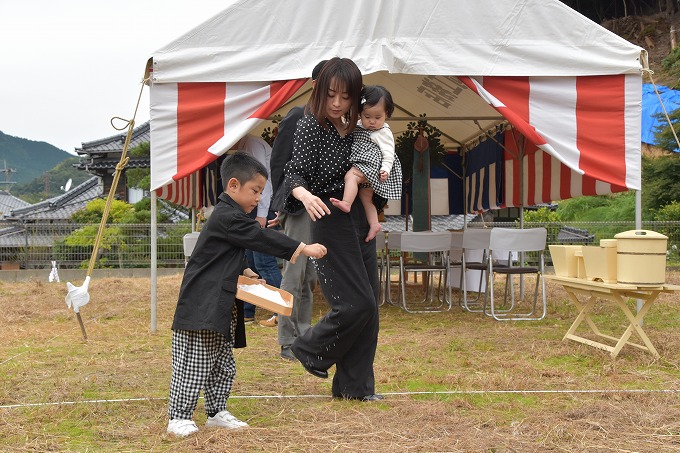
(618, 294)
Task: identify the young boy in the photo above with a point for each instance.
(208, 320)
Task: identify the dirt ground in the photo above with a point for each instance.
(453, 381)
(652, 33)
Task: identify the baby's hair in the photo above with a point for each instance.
(241, 166)
(372, 94)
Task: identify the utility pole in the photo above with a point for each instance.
(46, 179)
(8, 174)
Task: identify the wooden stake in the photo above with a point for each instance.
(82, 326)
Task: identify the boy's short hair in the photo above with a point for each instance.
(241, 166)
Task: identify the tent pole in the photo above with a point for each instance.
(638, 209)
(194, 194)
(154, 259)
(638, 226)
(463, 159)
(521, 149)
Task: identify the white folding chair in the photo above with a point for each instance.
(456, 262)
(515, 244)
(189, 242)
(435, 247)
(474, 261)
(383, 276)
(391, 259)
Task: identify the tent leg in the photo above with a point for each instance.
(154, 259)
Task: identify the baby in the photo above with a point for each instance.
(375, 166)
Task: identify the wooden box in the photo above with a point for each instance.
(564, 260)
(600, 262)
(271, 305)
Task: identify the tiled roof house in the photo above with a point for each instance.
(100, 157)
(46, 215)
(61, 207)
(8, 202)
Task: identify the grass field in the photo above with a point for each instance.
(453, 381)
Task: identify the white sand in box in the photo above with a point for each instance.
(265, 293)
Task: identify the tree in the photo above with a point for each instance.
(139, 177)
(541, 215)
(48, 184)
(601, 208)
(93, 211)
(663, 133)
(119, 212)
(117, 238)
(669, 213)
(661, 185)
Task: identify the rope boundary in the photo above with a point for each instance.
(443, 392)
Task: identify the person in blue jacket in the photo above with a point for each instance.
(208, 320)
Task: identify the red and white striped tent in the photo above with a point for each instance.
(571, 88)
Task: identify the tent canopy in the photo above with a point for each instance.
(264, 40)
(571, 87)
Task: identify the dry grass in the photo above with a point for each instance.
(454, 382)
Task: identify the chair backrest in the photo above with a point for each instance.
(394, 240)
(457, 239)
(189, 242)
(456, 251)
(518, 240)
(425, 241)
(476, 238)
(380, 241)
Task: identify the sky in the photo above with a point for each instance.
(67, 67)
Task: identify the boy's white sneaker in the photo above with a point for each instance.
(224, 419)
(181, 428)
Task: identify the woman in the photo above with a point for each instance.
(347, 335)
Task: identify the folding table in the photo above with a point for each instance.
(592, 291)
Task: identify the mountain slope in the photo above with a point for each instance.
(50, 183)
(29, 158)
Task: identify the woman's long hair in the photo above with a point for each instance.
(346, 77)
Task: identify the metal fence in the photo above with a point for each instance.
(35, 245)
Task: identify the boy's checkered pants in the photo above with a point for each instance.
(201, 359)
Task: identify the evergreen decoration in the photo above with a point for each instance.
(404, 145)
(270, 133)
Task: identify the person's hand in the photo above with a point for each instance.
(274, 222)
(262, 221)
(313, 204)
(248, 272)
(383, 175)
(314, 251)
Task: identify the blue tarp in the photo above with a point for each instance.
(651, 108)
